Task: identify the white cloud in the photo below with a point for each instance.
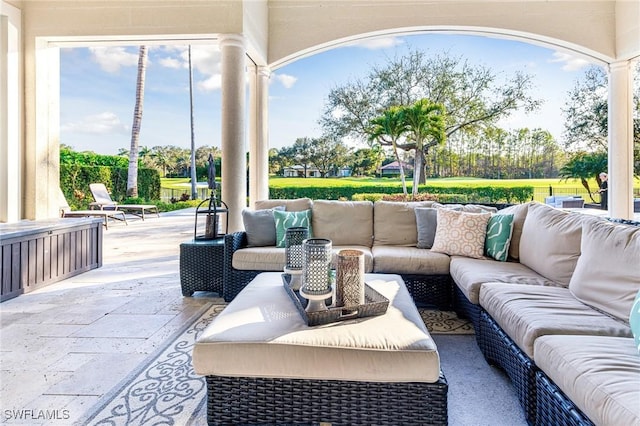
(112, 58)
(171, 63)
(210, 84)
(103, 123)
(286, 80)
(571, 63)
(378, 43)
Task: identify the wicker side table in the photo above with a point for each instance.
(201, 266)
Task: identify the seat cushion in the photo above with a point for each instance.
(261, 334)
(607, 275)
(600, 374)
(550, 242)
(469, 274)
(409, 260)
(526, 312)
(343, 222)
(274, 259)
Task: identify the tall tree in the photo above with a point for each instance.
(472, 95)
(328, 154)
(132, 176)
(194, 176)
(584, 166)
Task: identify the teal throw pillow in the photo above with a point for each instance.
(499, 231)
(634, 320)
(286, 220)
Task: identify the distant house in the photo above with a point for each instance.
(393, 169)
(298, 171)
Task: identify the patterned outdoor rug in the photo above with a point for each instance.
(165, 390)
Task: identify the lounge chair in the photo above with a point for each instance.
(65, 211)
(103, 201)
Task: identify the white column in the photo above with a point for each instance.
(234, 167)
(259, 153)
(620, 140)
(11, 108)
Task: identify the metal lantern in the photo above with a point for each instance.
(293, 240)
(316, 272)
(212, 208)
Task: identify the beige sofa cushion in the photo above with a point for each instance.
(601, 375)
(295, 205)
(469, 274)
(274, 259)
(607, 274)
(519, 212)
(259, 259)
(526, 312)
(261, 334)
(550, 242)
(394, 223)
(409, 260)
(343, 222)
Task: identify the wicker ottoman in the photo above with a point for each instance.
(264, 365)
(201, 266)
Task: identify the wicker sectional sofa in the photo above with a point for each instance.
(555, 316)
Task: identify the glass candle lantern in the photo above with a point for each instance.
(349, 278)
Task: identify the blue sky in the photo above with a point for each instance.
(97, 88)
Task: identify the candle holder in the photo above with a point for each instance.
(316, 273)
(293, 239)
(350, 278)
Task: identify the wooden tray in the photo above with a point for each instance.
(374, 304)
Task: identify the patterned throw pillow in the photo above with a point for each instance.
(499, 231)
(634, 320)
(460, 233)
(286, 220)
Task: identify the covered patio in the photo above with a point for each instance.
(257, 37)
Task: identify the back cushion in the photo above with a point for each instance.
(394, 223)
(343, 222)
(296, 205)
(550, 242)
(607, 274)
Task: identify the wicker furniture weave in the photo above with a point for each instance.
(553, 407)
(465, 309)
(201, 266)
(499, 350)
(426, 290)
(245, 400)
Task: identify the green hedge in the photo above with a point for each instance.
(450, 194)
(75, 180)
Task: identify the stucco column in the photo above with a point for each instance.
(620, 140)
(234, 168)
(259, 152)
(10, 114)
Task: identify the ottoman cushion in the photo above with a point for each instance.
(261, 334)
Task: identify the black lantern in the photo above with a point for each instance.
(211, 208)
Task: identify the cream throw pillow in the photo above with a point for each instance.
(460, 233)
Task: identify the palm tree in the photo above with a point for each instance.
(132, 176)
(584, 166)
(194, 178)
(387, 130)
(425, 126)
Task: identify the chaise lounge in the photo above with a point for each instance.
(104, 202)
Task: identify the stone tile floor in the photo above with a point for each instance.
(63, 347)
